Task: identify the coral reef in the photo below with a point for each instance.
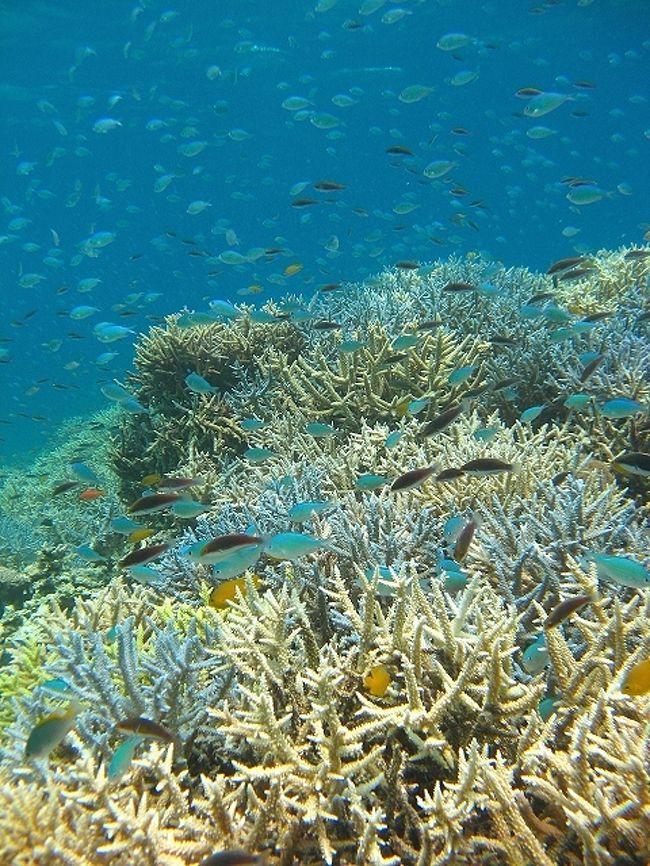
(230, 356)
(393, 696)
(452, 763)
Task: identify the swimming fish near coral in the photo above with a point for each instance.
(547, 706)
(453, 527)
(319, 430)
(412, 479)
(462, 374)
(57, 685)
(251, 424)
(140, 534)
(458, 287)
(485, 434)
(224, 546)
(64, 487)
(441, 421)
(621, 407)
(377, 681)
(122, 757)
(143, 555)
(84, 473)
(227, 590)
(303, 511)
(257, 454)
(632, 463)
(50, 731)
(637, 682)
(85, 551)
(326, 325)
(369, 481)
(449, 474)
(393, 438)
(294, 545)
(145, 728)
(487, 466)
(465, 538)
(347, 347)
(188, 508)
(154, 502)
(620, 569)
(565, 608)
(577, 401)
(535, 657)
(235, 564)
(145, 574)
(530, 414)
(151, 479)
(196, 383)
(591, 366)
(561, 265)
(124, 525)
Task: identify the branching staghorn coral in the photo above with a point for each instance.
(120, 663)
(166, 355)
(558, 502)
(526, 542)
(332, 715)
(450, 765)
(292, 367)
(157, 817)
(226, 355)
(618, 281)
(368, 384)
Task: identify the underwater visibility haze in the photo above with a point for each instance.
(325, 439)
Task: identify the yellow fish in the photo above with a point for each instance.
(401, 408)
(227, 591)
(637, 681)
(141, 534)
(292, 269)
(151, 479)
(377, 681)
(50, 731)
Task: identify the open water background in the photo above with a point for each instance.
(218, 72)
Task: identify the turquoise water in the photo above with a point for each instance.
(101, 100)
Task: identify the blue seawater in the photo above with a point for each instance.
(148, 162)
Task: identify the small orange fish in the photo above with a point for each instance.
(227, 591)
(91, 494)
(637, 682)
(377, 681)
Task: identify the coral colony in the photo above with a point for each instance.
(355, 580)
